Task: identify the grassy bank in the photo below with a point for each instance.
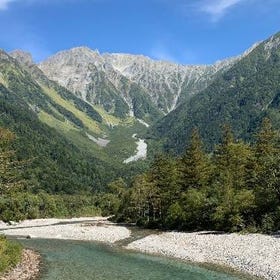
(10, 254)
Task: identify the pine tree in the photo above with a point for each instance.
(266, 144)
(195, 164)
(164, 174)
(233, 199)
(267, 179)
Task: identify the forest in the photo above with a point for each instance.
(234, 188)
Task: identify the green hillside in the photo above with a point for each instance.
(240, 97)
(54, 129)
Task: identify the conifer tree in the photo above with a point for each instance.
(165, 175)
(232, 197)
(267, 168)
(195, 164)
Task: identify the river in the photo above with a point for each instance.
(71, 260)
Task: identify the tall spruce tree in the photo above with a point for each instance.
(267, 181)
(195, 164)
(234, 201)
(165, 176)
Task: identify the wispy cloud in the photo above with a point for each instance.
(216, 9)
(165, 52)
(5, 3)
(160, 52)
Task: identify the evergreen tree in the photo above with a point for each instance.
(196, 172)
(10, 168)
(233, 201)
(195, 164)
(145, 203)
(165, 176)
(267, 181)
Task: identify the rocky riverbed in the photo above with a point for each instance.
(255, 254)
(89, 229)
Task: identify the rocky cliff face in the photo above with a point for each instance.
(113, 80)
(165, 82)
(22, 57)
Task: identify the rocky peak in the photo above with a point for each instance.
(166, 84)
(25, 58)
(272, 43)
(3, 55)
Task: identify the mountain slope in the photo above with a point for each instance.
(129, 84)
(61, 133)
(167, 83)
(240, 97)
(90, 127)
(56, 165)
(87, 74)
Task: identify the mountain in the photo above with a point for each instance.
(91, 128)
(85, 73)
(54, 162)
(126, 84)
(78, 112)
(240, 97)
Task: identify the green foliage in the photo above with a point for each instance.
(236, 188)
(79, 103)
(24, 205)
(241, 97)
(10, 168)
(56, 164)
(143, 106)
(10, 254)
(195, 164)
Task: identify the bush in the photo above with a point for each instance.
(10, 254)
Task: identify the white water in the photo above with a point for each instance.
(141, 151)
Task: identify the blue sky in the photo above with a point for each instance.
(183, 31)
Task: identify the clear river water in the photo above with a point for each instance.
(71, 260)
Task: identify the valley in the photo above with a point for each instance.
(189, 152)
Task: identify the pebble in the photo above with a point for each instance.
(255, 254)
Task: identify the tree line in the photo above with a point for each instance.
(235, 188)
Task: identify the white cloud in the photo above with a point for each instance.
(4, 4)
(216, 9)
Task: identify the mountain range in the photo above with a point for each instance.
(80, 110)
(138, 85)
(240, 97)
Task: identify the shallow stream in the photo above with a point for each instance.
(71, 260)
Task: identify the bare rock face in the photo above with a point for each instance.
(22, 57)
(103, 78)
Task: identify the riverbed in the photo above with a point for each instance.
(254, 254)
(71, 260)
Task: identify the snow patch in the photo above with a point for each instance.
(99, 141)
(144, 123)
(141, 150)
